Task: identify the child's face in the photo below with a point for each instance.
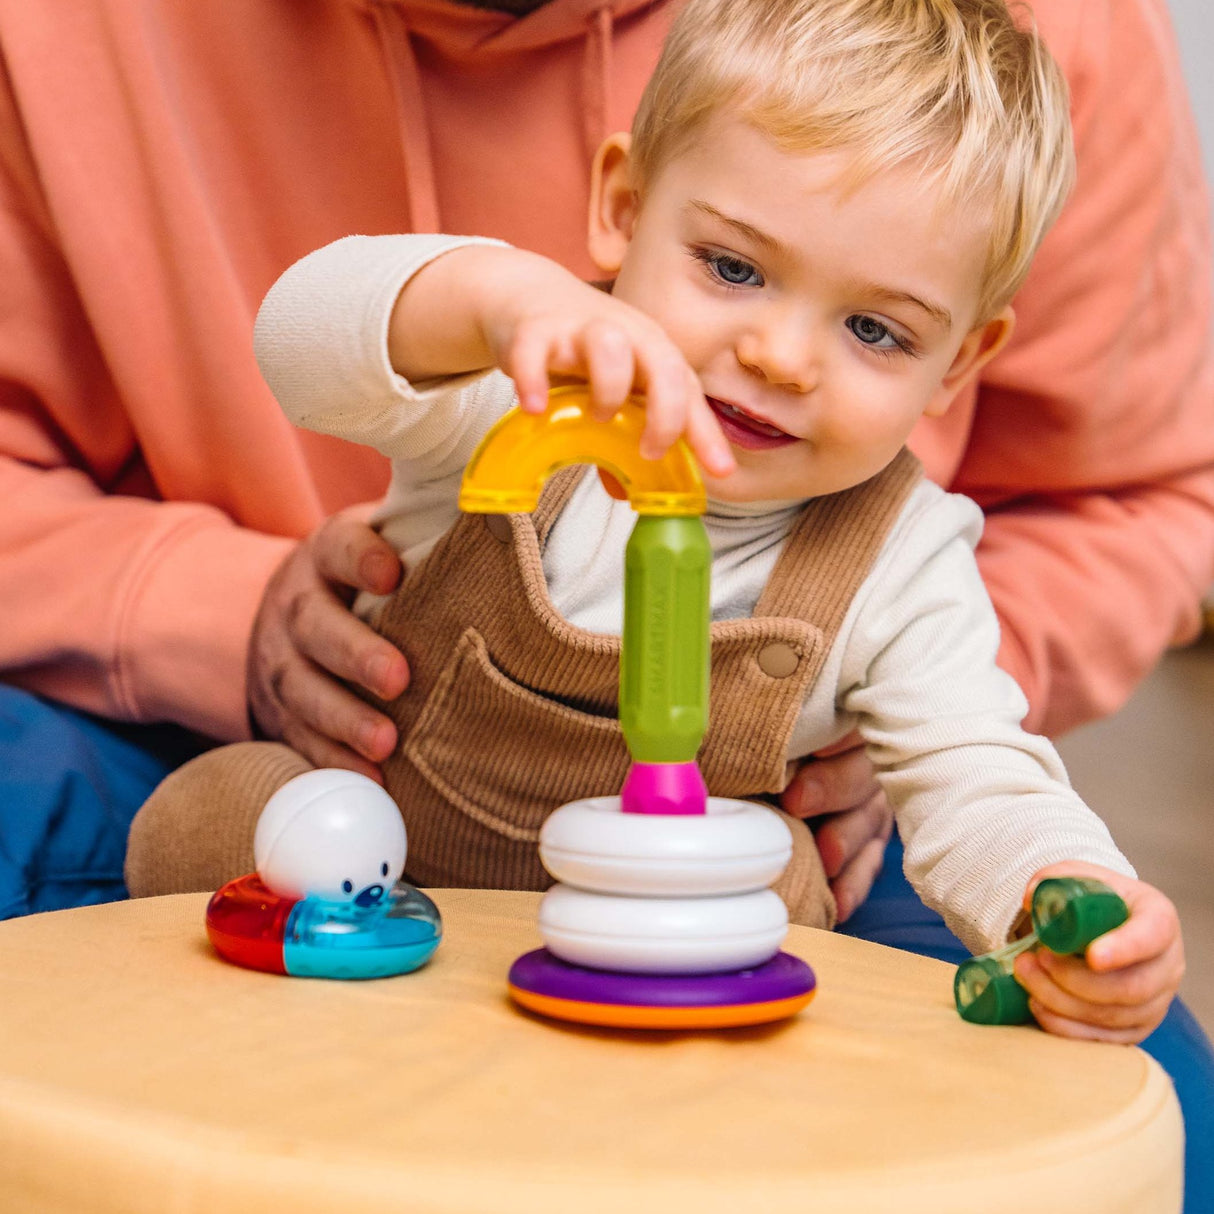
(822, 324)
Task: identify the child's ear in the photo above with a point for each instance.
(978, 348)
(613, 203)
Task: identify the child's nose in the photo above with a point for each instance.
(783, 351)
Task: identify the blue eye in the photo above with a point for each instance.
(730, 270)
(383, 868)
(347, 886)
(875, 335)
(735, 271)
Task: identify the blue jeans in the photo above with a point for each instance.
(69, 786)
(894, 915)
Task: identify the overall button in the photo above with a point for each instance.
(778, 659)
(498, 526)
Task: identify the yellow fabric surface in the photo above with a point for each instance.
(140, 1074)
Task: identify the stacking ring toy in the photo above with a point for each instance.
(734, 848)
(661, 918)
(326, 900)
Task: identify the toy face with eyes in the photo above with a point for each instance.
(331, 834)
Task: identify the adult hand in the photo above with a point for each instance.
(305, 640)
(837, 793)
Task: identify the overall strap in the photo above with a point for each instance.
(554, 498)
(764, 667)
(833, 545)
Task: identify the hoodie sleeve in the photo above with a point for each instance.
(1092, 451)
(113, 602)
(131, 609)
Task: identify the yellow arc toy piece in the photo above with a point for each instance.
(520, 452)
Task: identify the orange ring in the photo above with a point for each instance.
(640, 1016)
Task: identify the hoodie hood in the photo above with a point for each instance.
(414, 33)
(467, 32)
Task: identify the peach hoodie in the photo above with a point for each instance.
(160, 165)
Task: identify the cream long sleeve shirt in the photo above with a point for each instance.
(980, 804)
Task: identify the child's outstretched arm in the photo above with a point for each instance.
(1121, 989)
(488, 306)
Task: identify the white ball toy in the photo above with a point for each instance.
(735, 847)
(663, 935)
(331, 833)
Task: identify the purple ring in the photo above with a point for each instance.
(542, 973)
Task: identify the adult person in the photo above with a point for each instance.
(162, 553)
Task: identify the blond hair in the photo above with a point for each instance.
(952, 87)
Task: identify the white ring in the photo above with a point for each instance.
(662, 935)
(735, 847)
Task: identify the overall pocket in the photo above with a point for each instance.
(506, 756)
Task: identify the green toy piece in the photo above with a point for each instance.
(665, 654)
(1068, 913)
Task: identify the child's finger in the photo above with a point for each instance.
(1152, 926)
(1082, 1029)
(1066, 989)
(1133, 984)
(1068, 985)
(610, 367)
(527, 363)
(706, 437)
(664, 375)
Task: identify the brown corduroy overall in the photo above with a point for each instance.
(511, 710)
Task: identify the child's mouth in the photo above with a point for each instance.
(745, 431)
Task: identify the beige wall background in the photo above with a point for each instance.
(1194, 20)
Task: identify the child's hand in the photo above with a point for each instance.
(551, 323)
(483, 305)
(1122, 990)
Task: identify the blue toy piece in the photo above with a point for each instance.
(326, 939)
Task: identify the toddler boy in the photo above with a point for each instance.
(814, 231)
